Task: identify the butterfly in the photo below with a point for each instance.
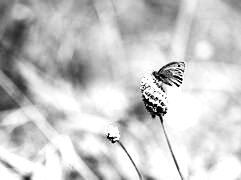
(171, 74)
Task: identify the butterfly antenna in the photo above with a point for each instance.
(170, 147)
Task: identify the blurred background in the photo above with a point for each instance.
(70, 68)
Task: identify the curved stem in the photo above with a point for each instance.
(123, 147)
(170, 148)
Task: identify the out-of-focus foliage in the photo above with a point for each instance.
(70, 68)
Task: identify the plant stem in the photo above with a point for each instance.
(123, 147)
(170, 148)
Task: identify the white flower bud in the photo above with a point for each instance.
(112, 134)
(154, 95)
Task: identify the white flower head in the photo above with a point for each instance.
(113, 134)
(154, 95)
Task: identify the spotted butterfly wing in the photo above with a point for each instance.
(171, 74)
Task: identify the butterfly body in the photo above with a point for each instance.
(154, 86)
(171, 74)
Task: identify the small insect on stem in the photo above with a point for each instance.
(170, 148)
(154, 88)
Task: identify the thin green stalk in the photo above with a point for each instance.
(170, 148)
(123, 147)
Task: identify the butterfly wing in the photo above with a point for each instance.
(172, 73)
